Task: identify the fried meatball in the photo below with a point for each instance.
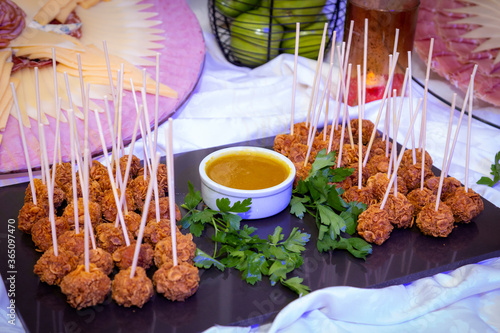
(135, 166)
(156, 231)
(95, 191)
(109, 237)
(28, 215)
(132, 221)
(450, 184)
(102, 259)
(378, 183)
(186, 249)
(178, 282)
(379, 147)
(400, 210)
(51, 268)
(162, 178)
(301, 172)
(138, 188)
(366, 130)
(412, 175)
(71, 241)
(465, 205)
(420, 198)
(135, 291)
(99, 173)
(363, 194)
(350, 155)
(63, 176)
(435, 223)
(94, 212)
(374, 225)
(408, 158)
(124, 256)
(344, 185)
(282, 143)
(108, 204)
(355, 174)
(42, 195)
(41, 232)
(377, 163)
(164, 206)
(298, 152)
(84, 289)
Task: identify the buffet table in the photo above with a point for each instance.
(232, 104)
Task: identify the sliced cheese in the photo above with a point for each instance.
(65, 11)
(49, 11)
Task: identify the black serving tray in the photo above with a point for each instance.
(223, 298)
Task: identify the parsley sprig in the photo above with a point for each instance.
(495, 172)
(336, 220)
(240, 248)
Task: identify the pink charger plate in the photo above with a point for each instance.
(181, 63)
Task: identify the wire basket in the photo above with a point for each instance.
(252, 32)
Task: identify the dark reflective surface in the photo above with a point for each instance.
(223, 298)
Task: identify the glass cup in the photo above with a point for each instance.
(384, 17)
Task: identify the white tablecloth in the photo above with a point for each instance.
(232, 104)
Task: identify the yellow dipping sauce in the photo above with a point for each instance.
(247, 170)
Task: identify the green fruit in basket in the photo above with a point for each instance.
(309, 39)
(233, 8)
(250, 35)
(288, 12)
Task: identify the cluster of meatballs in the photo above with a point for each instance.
(411, 204)
(111, 259)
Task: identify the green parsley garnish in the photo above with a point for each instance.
(241, 248)
(495, 172)
(336, 220)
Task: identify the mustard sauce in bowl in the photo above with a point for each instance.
(238, 173)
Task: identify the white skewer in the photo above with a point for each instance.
(86, 215)
(469, 127)
(317, 75)
(466, 99)
(129, 162)
(56, 140)
(157, 99)
(39, 115)
(328, 89)
(341, 145)
(153, 175)
(360, 127)
(337, 102)
(294, 82)
(384, 96)
(111, 178)
(73, 171)
(447, 144)
(110, 76)
(423, 134)
(312, 108)
(144, 216)
(315, 125)
(23, 141)
(50, 194)
(400, 157)
(143, 133)
(410, 106)
(171, 187)
(426, 89)
(365, 57)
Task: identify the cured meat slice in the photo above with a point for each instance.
(465, 35)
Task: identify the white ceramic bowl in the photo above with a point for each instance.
(265, 202)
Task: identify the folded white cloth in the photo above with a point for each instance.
(464, 300)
